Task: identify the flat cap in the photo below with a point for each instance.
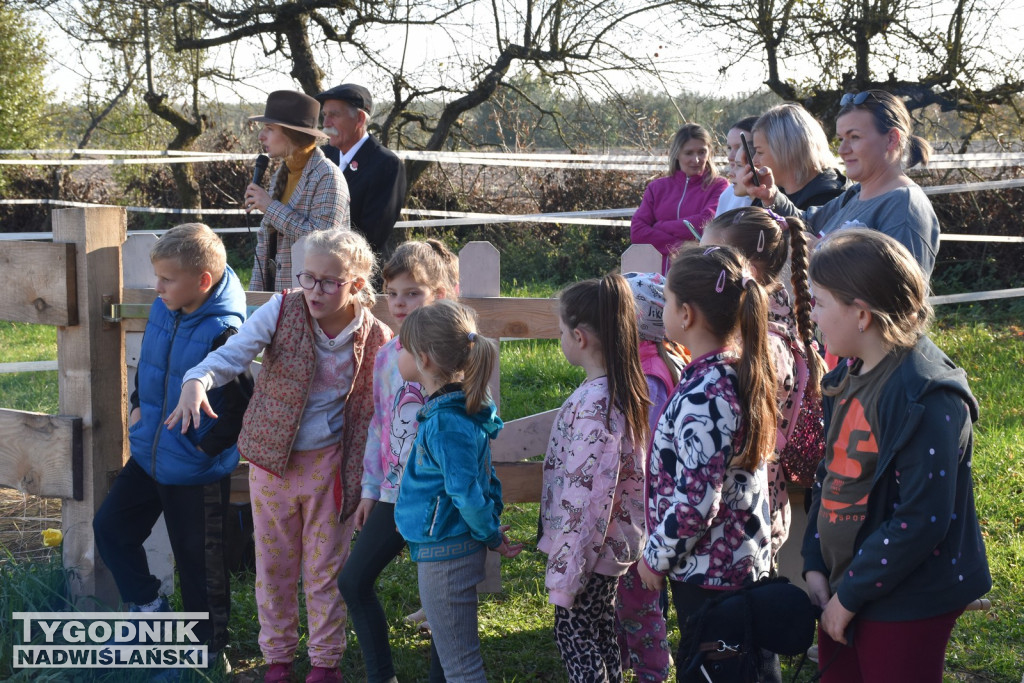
(356, 95)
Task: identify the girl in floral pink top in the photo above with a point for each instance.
(592, 525)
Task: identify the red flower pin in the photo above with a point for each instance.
(354, 165)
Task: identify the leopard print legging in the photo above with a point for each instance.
(585, 634)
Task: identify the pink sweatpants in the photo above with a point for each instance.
(297, 530)
(641, 629)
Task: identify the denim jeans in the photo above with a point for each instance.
(195, 526)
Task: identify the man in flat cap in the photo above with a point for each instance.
(375, 175)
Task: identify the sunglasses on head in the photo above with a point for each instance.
(855, 99)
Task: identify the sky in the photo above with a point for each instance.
(689, 53)
(425, 47)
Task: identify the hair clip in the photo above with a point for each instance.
(709, 250)
(471, 337)
(720, 285)
(781, 220)
(760, 242)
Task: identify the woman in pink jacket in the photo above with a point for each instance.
(688, 194)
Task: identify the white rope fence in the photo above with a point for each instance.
(608, 162)
(435, 218)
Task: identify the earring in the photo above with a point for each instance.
(861, 330)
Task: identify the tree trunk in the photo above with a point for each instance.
(188, 133)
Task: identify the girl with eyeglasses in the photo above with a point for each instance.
(876, 146)
(304, 436)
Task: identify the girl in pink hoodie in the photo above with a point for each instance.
(675, 208)
(592, 504)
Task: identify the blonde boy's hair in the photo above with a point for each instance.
(195, 247)
(428, 262)
(354, 251)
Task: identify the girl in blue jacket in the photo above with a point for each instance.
(450, 499)
(893, 552)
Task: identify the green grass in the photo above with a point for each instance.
(535, 377)
(35, 391)
(993, 642)
(515, 625)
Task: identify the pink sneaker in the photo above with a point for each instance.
(323, 674)
(279, 672)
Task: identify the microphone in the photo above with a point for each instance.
(262, 161)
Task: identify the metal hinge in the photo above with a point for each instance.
(115, 313)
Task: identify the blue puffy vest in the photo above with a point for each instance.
(173, 344)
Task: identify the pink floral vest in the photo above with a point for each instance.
(274, 413)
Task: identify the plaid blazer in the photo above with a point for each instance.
(319, 202)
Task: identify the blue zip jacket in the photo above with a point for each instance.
(919, 553)
(449, 503)
(173, 343)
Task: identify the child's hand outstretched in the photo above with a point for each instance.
(193, 399)
(507, 548)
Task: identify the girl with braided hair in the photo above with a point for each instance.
(768, 240)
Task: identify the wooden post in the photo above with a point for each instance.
(91, 380)
(791, 562)
(641, 258)
(480, 276)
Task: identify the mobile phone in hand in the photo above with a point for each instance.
(750, 159)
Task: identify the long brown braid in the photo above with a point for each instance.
(802, 303)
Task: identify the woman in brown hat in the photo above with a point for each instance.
(308, 192)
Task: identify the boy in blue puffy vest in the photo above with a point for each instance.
(185, 476)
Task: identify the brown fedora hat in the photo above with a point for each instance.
(294, 110)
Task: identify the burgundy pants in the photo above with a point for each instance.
(884, 651)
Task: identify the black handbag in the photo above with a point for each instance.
(729, 631)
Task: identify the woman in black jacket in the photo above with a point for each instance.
(790, 141)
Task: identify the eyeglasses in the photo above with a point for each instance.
(856, 99)
(328, 286)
